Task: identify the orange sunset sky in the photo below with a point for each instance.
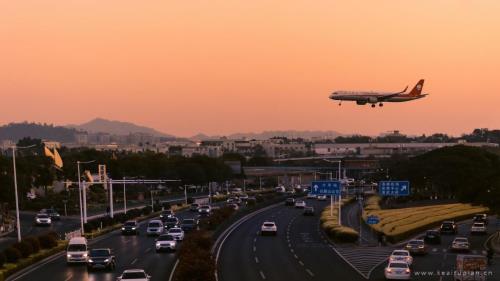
(220, 67)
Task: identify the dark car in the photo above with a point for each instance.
(480, 218)
(130, 227)
(171, 222)
(432, 237)
(194, 207)
(189, 225)
(290, 202)
(308, 211)
(166, 214)
(101, 259)
(416, 247)
(448, 227)
(52, 213)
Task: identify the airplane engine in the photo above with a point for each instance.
(372, 100)
(361, 102)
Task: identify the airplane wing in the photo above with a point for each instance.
(391, 95)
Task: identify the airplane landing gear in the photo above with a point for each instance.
(340, 103)
(380, 104)
(373, 105)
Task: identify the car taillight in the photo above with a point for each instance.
(407, 271)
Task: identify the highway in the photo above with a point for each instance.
(301, 252)
(130, 251)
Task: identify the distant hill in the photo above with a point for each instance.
(100, 125)
(17, 131)
(270, 134)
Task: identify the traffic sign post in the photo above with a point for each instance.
(394, 188)
(330, 188)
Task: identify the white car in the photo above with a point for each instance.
(460, 244)
(134, 275)
(311, 196)
(205, 210)
(397, 270)
(300, 204)
(321, 197)
(166, 242)
(269, 227)
(401, 256)
(177, 233)
(43, 219)
(478, 228)
(155, 227)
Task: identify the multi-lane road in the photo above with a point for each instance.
(300, 251)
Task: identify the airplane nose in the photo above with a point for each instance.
(332, 95)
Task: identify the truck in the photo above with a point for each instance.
(470, 268)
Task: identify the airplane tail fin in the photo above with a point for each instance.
(417, 90)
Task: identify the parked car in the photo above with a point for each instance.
(189, 225)
(308, 211)
(134, 275)
(77, 251)
(432, 237)
(460, 244)
(268, 227)
(401, 256)
(43, 220)
(130, 227)
(478, 228)
(416, 246)
(101, 259)
(290, 202)
(448, 227)
(397, 270)
(165, 242)
(300, 204)
(177, 233)
(480, 218)
(155, 227)
(171, 222)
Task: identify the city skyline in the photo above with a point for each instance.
(219, 68)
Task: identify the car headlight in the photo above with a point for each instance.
(90, 260)
(133, 228)
(37, 220)
(420, 247)
(68, 255)
(123, 228)
(85, 255)
(158, 244)
(106, 260)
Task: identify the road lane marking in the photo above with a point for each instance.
(301, 263)
(262, 275)
(147, 250)
(310, 272)
(255, 240)
(295, 256)
(254, 249)
(134, 261)
(256, 260)
(291, 250)
(69, 277)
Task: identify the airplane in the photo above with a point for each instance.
(362, 98)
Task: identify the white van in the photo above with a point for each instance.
(155, 227)
(77, 251)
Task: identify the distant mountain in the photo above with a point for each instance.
(100, 125)
(270, 134)
(17, 131)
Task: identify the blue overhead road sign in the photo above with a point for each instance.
(372, 220)
(394, 188)
(325, 188)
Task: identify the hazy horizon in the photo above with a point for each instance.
(219, 67)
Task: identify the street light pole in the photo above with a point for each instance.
(83, 201)
(80, 196)
(124, 197)
(18, 223)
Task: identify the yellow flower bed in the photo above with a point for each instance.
(398, 223)
(331, 225)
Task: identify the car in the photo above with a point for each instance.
(53, 214)
(165, 242)
(321, 197)
(233, 200)
(268, 227)
(308, 211)
(311, 196)
(43, 220)
(205, 210)
(177, 233)
(243, 197)
(478, 228)
(155, 227)
(101, 259)
(134, 275)
(448, 227)
(300, 204)
(233, 206)
(432, 237)
(171, 222)
(290, 202)
(480, 218)
(130, 227)
(460, 244)
(194, 207)
(401, 256)
(189, 225)
(416, 246)
(397, 270)
(166, 214)
(77, 251)
(251, 200)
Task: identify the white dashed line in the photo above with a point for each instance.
(310, 272)
(134, 261)
(69, 277)
(255, 240)
(254, 249)
(301, 263)
(262, 275)
(256, 260)
(295, 256)
(148, 250)
(291, 250)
